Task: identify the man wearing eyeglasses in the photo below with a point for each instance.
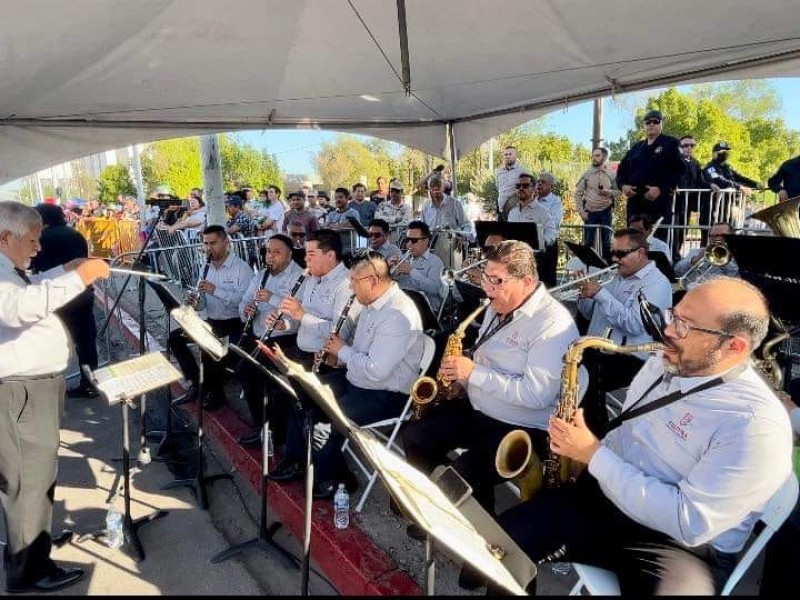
(508, 380)
(613, 311)
(670, 495)
(380, 365)
(650, 171)
(379, 239)
(530, 210)
(423, 270)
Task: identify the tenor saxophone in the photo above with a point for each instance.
(427, 390)
(515, 457)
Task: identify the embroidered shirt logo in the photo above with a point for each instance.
(686, 419)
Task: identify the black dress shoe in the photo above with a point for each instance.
(251, 440)
(324, 490)
(188, 396)
(82, 392)
(57, 579)
(287, 471)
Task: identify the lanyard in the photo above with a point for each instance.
(490, 331)
(634, 410)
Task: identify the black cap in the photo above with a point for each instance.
(235, 201)
(653, 114)
(721, 146)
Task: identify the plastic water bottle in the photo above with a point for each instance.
(341, 508)
(114, 534)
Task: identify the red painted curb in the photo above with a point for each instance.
(353, 563)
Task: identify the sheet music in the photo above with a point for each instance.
(435, 513)
(199, 331)
(136, 376)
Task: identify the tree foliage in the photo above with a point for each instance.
(347, 160)
(114, 181)
(176, 163)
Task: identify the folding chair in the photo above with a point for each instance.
(600, 582)
(429, 349)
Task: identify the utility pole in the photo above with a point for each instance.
(597, 123)
(211, 163)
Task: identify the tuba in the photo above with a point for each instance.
(515, 456)
(781, 217)
(427, 390)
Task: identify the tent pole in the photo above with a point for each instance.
(211, 163)
(453, 155)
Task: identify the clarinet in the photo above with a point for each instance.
(268, 333)
(203, 275)
(321, 355)
(248, 325)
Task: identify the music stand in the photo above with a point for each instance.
(170, 302)
(119, 384)
(587, 255)
(264, 540)
(200, 332)
(429, 320)
(360, 229)
(662, 263)
(523, 232)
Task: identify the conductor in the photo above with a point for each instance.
(33, 356)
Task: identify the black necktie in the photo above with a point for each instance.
(23, 275)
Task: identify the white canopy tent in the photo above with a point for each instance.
(87, 75)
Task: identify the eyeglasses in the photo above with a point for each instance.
(652, 122)
(688, 145)
(375, 234)
(411, 240)
(622, 253)
(682, 327)
(493, 280)
(523, 186)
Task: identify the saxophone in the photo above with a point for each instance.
(515, 457)
(427, 390)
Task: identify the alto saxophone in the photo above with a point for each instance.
(515, 457)
(427, 390)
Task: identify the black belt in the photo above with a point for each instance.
(17, 378)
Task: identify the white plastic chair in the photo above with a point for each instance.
(428, 351)
(600, 582)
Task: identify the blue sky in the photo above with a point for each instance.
(295, 149)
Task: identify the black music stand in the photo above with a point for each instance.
(167, 445)
(200, 332)
(360, 229)
(587, 255)
(523, 232)
(265, 540)
(662, 263)
(429, 320)
(119, 384)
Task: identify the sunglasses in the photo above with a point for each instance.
(652, 122)
(375, 234)
(523, 186)
(620, 254)
(688, 145)
(415, 240)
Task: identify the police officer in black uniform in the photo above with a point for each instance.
(650, 171)
(718, 172)
(693, 178)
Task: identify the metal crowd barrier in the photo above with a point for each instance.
(109, 237)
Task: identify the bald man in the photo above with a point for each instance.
(672, 491)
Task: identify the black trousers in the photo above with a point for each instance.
(455, 424)
(78, 317)
(256, 384)
(30, 418)
(607, 372)
(547, 264)
(214, 372)
(593, 531)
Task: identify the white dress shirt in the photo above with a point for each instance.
(616, 305)
(534, 212)
(274, 212)
(323, 299)
(449, 214)
(280, 285)
(425, 277)
(335, 217)
(517, 374)
(388, 250)
(702, 468)
(387, 345)
(33, 340)
(683, 265)
(554, 206)
(231, 280)
(506, 179)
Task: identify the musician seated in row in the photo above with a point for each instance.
(422, 270)
(219, 294)
(716, 235)
(613, 310)
(379, 239)
(379, 366)
(645, 225)
(509, 379)
(268, 288)
(670, 497)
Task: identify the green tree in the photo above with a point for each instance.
(242, 164)
(345, 160)
(114, 181)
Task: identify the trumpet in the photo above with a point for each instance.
(450, 276)
(403, 258)
(573, 294)
(717, 254)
